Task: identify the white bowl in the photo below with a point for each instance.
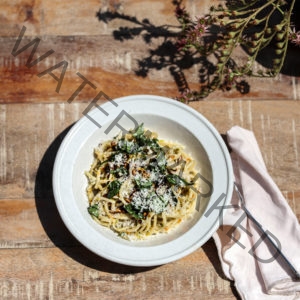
(172, 121)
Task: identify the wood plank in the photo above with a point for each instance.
(116, 68)
(276, 127)
(54, 17)
(293, 200)
(13, 14)
(37, 126)
(127, 54)
(31, 135)
(85, 20)
(99, 59)
(109, 53)
(70, 273)
(35, 223)
(32, 223)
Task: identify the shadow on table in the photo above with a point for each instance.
(291, 65)
(211, 252)
(162, 42)
(164, 54)
(53, 224)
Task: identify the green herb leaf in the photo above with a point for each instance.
(94, 210)
(132, 212)
(139, 131)
(161, 160)
(153, 144)
(177, 180)
(127, 146)
(113, 188)
(112, 157)
(173, 179)
(143, 183)
(119, 171)
(145, 140)
(141, 140)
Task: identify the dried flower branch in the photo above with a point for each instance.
(253, 25)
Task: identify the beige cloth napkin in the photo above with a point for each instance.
(260, 274)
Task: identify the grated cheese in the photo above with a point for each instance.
(119, 159)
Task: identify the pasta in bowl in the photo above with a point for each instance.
(141, 186)
(144, 183)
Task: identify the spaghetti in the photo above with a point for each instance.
(140, 186)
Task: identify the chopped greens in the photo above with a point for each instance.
(143, 139)
(177, 180)
(161, 160)
(119, 171)
(143, 183)
(127, 146)
(147, 171)
(94, 210)
(139, 130)
(138, 185)
(134, 213)
(113, 188)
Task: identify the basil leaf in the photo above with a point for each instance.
(144, 140)
(173, 179)
(141, 140)
(127, 146)
(161, 160)
(132, 212)
(143, 184)
(177, 180)
(119, 171)
(113, 188)
(94, 210)
(154, 145)
(139, 131)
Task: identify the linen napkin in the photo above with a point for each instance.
(246, 256)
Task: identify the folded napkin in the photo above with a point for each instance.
(246, 256)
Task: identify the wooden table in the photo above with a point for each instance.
(39, 258)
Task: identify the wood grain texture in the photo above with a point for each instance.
(29, 129)
(117, 68)
(70, 273)
(121, 48)
(33, 237)
(32, 133)
(35, 223)
(54, 17)
(276, 127)
(130, 50)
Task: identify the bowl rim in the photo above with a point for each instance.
(134, 258)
